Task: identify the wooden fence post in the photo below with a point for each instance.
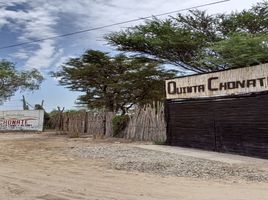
(86, 122)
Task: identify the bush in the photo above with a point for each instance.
(160, 142)
(119, 123)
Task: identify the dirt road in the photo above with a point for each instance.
(41, 167)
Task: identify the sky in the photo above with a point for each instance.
(26, 20)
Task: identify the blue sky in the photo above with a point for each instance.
(25, 20)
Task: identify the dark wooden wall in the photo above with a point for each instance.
(233, 125)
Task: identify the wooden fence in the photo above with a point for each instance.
(99, 124)
(80, 123)
(145, 124)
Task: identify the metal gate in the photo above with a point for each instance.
(235, 125)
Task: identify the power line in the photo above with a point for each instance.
(110, 25)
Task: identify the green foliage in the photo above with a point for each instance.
(12, 80)
(114, 83)
(160, 142)
(72, 111)
(119, 123)
(252, 21)
(53, 113)
(239, 50)
(199, 42)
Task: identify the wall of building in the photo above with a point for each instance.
(232, 125)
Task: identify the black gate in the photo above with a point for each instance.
(235, 125)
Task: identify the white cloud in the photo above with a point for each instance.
(21, 55)
(33, 24)
(41, 19)
(44, 56)
(62, 60)
(96, 13)
(3, 22)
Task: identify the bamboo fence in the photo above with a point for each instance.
(147, 124)
(80, 123)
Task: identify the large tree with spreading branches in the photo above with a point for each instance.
(115, 83)
(201, 42)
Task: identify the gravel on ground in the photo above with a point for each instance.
(130, 158)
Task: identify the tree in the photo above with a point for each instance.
(114, 83)
(199, 42)
(239, 50)
(12, 80)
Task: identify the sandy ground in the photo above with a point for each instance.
(34, 166)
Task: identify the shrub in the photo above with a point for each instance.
(160, 142)
(119, 123)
